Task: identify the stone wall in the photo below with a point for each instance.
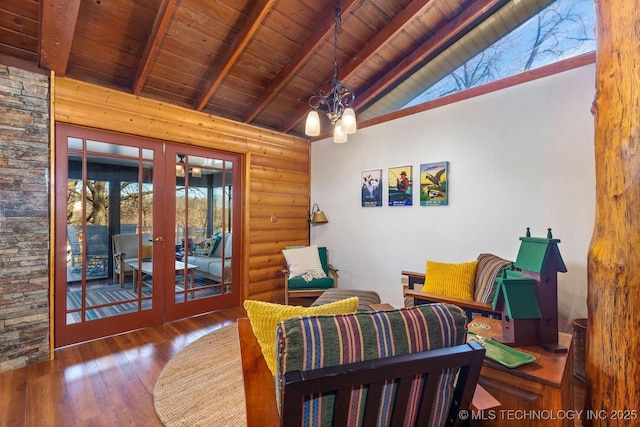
(24, 218)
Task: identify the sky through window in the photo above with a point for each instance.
(564, 29)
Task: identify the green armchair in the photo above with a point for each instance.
(306, 285)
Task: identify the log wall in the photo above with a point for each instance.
(276, 169)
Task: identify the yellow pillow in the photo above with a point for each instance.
(450, 280)
(264, 317)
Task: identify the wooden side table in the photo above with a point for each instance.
(536, 394)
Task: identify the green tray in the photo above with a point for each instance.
(503, 354)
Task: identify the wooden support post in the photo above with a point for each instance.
(613, 297)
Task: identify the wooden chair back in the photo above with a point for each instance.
(260, 396)
(374, 375)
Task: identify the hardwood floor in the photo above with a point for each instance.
(107, 382)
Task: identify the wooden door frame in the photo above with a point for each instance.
(59, 196)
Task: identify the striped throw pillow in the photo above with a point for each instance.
(488, 269)
(311, 342)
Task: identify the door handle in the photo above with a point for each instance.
(158, 240)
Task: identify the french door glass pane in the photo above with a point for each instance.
(109, 229)
(203, 227)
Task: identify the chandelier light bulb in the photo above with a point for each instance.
(312, 126)
(338, 135)
(349, 121)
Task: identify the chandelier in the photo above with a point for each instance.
(336, 102)
(180, 169)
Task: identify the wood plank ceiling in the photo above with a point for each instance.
(253, 61)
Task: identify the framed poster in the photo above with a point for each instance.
(400, 183)
(372, 188)
(434, 184)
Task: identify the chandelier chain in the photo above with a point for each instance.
(336, 29)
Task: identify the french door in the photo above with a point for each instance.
(203, 230)
(136, 214)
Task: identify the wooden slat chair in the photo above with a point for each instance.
(488, 269)
(75, 248)
(298, 287)
(446, 367)
(125, 251)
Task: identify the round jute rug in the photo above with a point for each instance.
(203, 384)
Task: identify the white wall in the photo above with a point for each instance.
(520, 157)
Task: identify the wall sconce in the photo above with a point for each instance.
(317, 216)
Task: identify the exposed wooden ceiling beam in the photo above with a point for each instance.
(153, 44)
(383, 37)
(375, 44)
(288, 72)
(471, 17)
(57, 27)
(254, 20)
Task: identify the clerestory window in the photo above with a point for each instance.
(561, 30)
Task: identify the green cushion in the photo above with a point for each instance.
(322, 252)
(299, 284)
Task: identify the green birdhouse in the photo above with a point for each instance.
(527, 295)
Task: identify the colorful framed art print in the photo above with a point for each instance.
(371, 188)
(400, 185)
(434, 184)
